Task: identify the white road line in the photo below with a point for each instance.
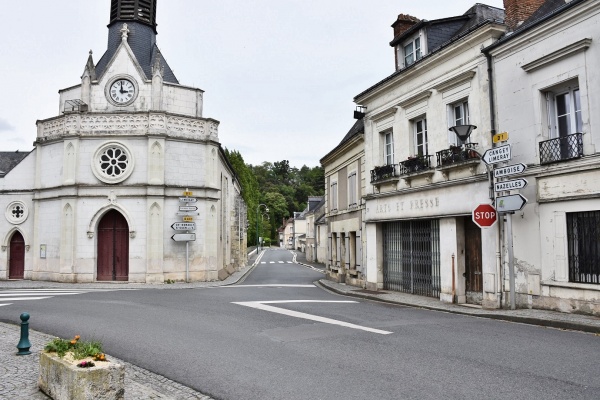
(2, 294)
(289, 262)
(280, 262)
(24, 298)
(262, 305)
(263, 262)
(271, 262)
(267, 285)
(7, 304)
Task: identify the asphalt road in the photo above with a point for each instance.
(277, 336)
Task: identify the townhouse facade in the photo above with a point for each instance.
(546, 82)
(423, 181)
(344, 190)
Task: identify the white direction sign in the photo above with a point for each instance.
(184, 213)
(514, 202)
(184, 237)
(497, 154)
(184, 226)
(510, 185)
(188, 199)
(188, 208)
(509, 170)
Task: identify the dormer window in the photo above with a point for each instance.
(412, 51)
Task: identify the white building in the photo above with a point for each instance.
(345, 185)
(547, 82)
(422, 182)
(96, 199)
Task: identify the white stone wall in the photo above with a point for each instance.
(561, 50)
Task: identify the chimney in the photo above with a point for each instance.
(403, 23)
(518, 11)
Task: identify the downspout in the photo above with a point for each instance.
(499, 271)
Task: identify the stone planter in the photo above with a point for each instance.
(62, 380)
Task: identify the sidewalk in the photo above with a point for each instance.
(553, 319)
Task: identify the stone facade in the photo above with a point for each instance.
(137, 158)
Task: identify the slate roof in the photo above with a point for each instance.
(443, 32)
(9, 160)
(142, 40)
(547, 10)
(357, 129)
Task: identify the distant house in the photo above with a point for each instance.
(312, 232)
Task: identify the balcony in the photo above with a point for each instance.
(414, 165)
(385, 173)
(561, 148)
(457, 155)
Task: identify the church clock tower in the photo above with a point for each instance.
(110, 169)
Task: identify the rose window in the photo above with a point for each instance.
(113, 162)
(16, 212)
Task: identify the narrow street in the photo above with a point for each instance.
(275, 335)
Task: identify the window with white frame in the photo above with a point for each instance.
(412, 51)
(421, 147)
(388, 148)
(458, 114)
(352, 189)
(333, 195)
(564, 111)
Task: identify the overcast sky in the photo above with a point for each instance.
(279, 75)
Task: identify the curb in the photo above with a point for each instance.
(565, 325)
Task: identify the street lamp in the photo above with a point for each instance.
(257, 211)
(463, 131)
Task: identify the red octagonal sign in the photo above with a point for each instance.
(485, 215)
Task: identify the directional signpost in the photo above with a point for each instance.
(510, 203)
(184, 226)
(510, 185)
(187, 211)
(509, 170)
(497, 155)
(184, 237)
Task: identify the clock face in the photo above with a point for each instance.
(122, 91)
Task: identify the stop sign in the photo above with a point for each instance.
(484, 215)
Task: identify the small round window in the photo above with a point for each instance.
(112, 163)
(16, 212)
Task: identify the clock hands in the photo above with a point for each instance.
(122, 91)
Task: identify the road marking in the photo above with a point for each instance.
(271, 262)
(266, 285)
(263, 262)
(289, 262)
(280, 262)
(263, 305)
(42, 294)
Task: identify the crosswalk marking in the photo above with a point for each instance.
(10, 295)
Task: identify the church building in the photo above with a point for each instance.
(129, 181)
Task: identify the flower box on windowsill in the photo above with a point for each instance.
(63, 379)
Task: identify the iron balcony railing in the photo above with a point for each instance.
(457, 154)
(383, 173)
(561, 148)
(415, 164)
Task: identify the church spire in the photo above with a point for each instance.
(142, 11)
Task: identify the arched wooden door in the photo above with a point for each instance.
(16, 269)
(113, 248)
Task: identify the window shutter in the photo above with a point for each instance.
(347, 251)
(329, 248)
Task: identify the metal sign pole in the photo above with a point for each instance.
(511, 266)
(187, 261)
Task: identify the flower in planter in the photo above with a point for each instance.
(86, 364)
(79, 349)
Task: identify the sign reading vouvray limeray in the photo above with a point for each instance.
(497, 155)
